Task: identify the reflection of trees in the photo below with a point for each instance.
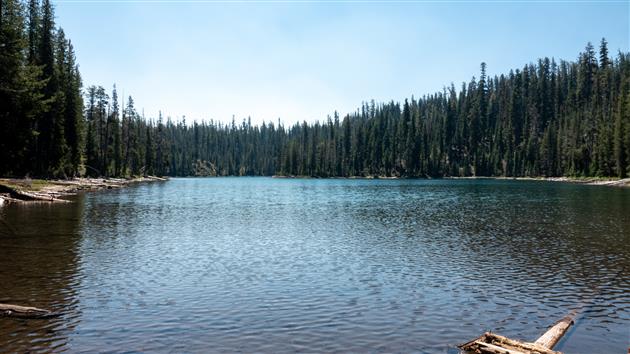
(38, 265)
(525, 253)
(552, 248)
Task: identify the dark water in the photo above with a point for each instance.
(279, 265)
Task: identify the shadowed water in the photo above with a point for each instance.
(283, 265)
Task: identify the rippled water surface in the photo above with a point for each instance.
(283, 265)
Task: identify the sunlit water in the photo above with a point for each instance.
(290, 265)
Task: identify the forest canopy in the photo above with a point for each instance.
(548, 118)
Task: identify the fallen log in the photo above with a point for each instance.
(39, 197)
(156, 178)
(492, 343)
(9, 310)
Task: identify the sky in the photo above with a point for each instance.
(298, 61)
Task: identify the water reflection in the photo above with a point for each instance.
(39, 268)
(265, 265)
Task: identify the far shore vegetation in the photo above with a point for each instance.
(550, 118)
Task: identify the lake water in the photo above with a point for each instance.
(291, 265)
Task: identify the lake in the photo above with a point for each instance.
(308, 265)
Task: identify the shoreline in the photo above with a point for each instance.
(20, 190)
(591, 181)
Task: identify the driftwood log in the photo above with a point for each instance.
(17, 194)
(491, 343)
(25, 312)
(555, 333)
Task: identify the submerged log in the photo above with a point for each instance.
(25, 312)
(492, 343)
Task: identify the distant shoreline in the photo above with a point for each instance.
(23, 190)
(592, 181)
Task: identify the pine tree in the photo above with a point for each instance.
(73, 116)
(33, 32)
(619, 143)
(114, 141)
(50, 139)
(59, 159)
(603, 54)
(149, 153)
(11, 65)
(129, 115)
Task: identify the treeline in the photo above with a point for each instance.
(546, 119)
(41, 110)
(567, 118)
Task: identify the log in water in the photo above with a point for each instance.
(492, 343)
(555, 333)
(9, 310)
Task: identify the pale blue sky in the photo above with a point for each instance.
(303, 60)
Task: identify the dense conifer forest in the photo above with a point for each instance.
(549, 118)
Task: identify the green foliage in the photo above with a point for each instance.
(546, 119)
(39, 82)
